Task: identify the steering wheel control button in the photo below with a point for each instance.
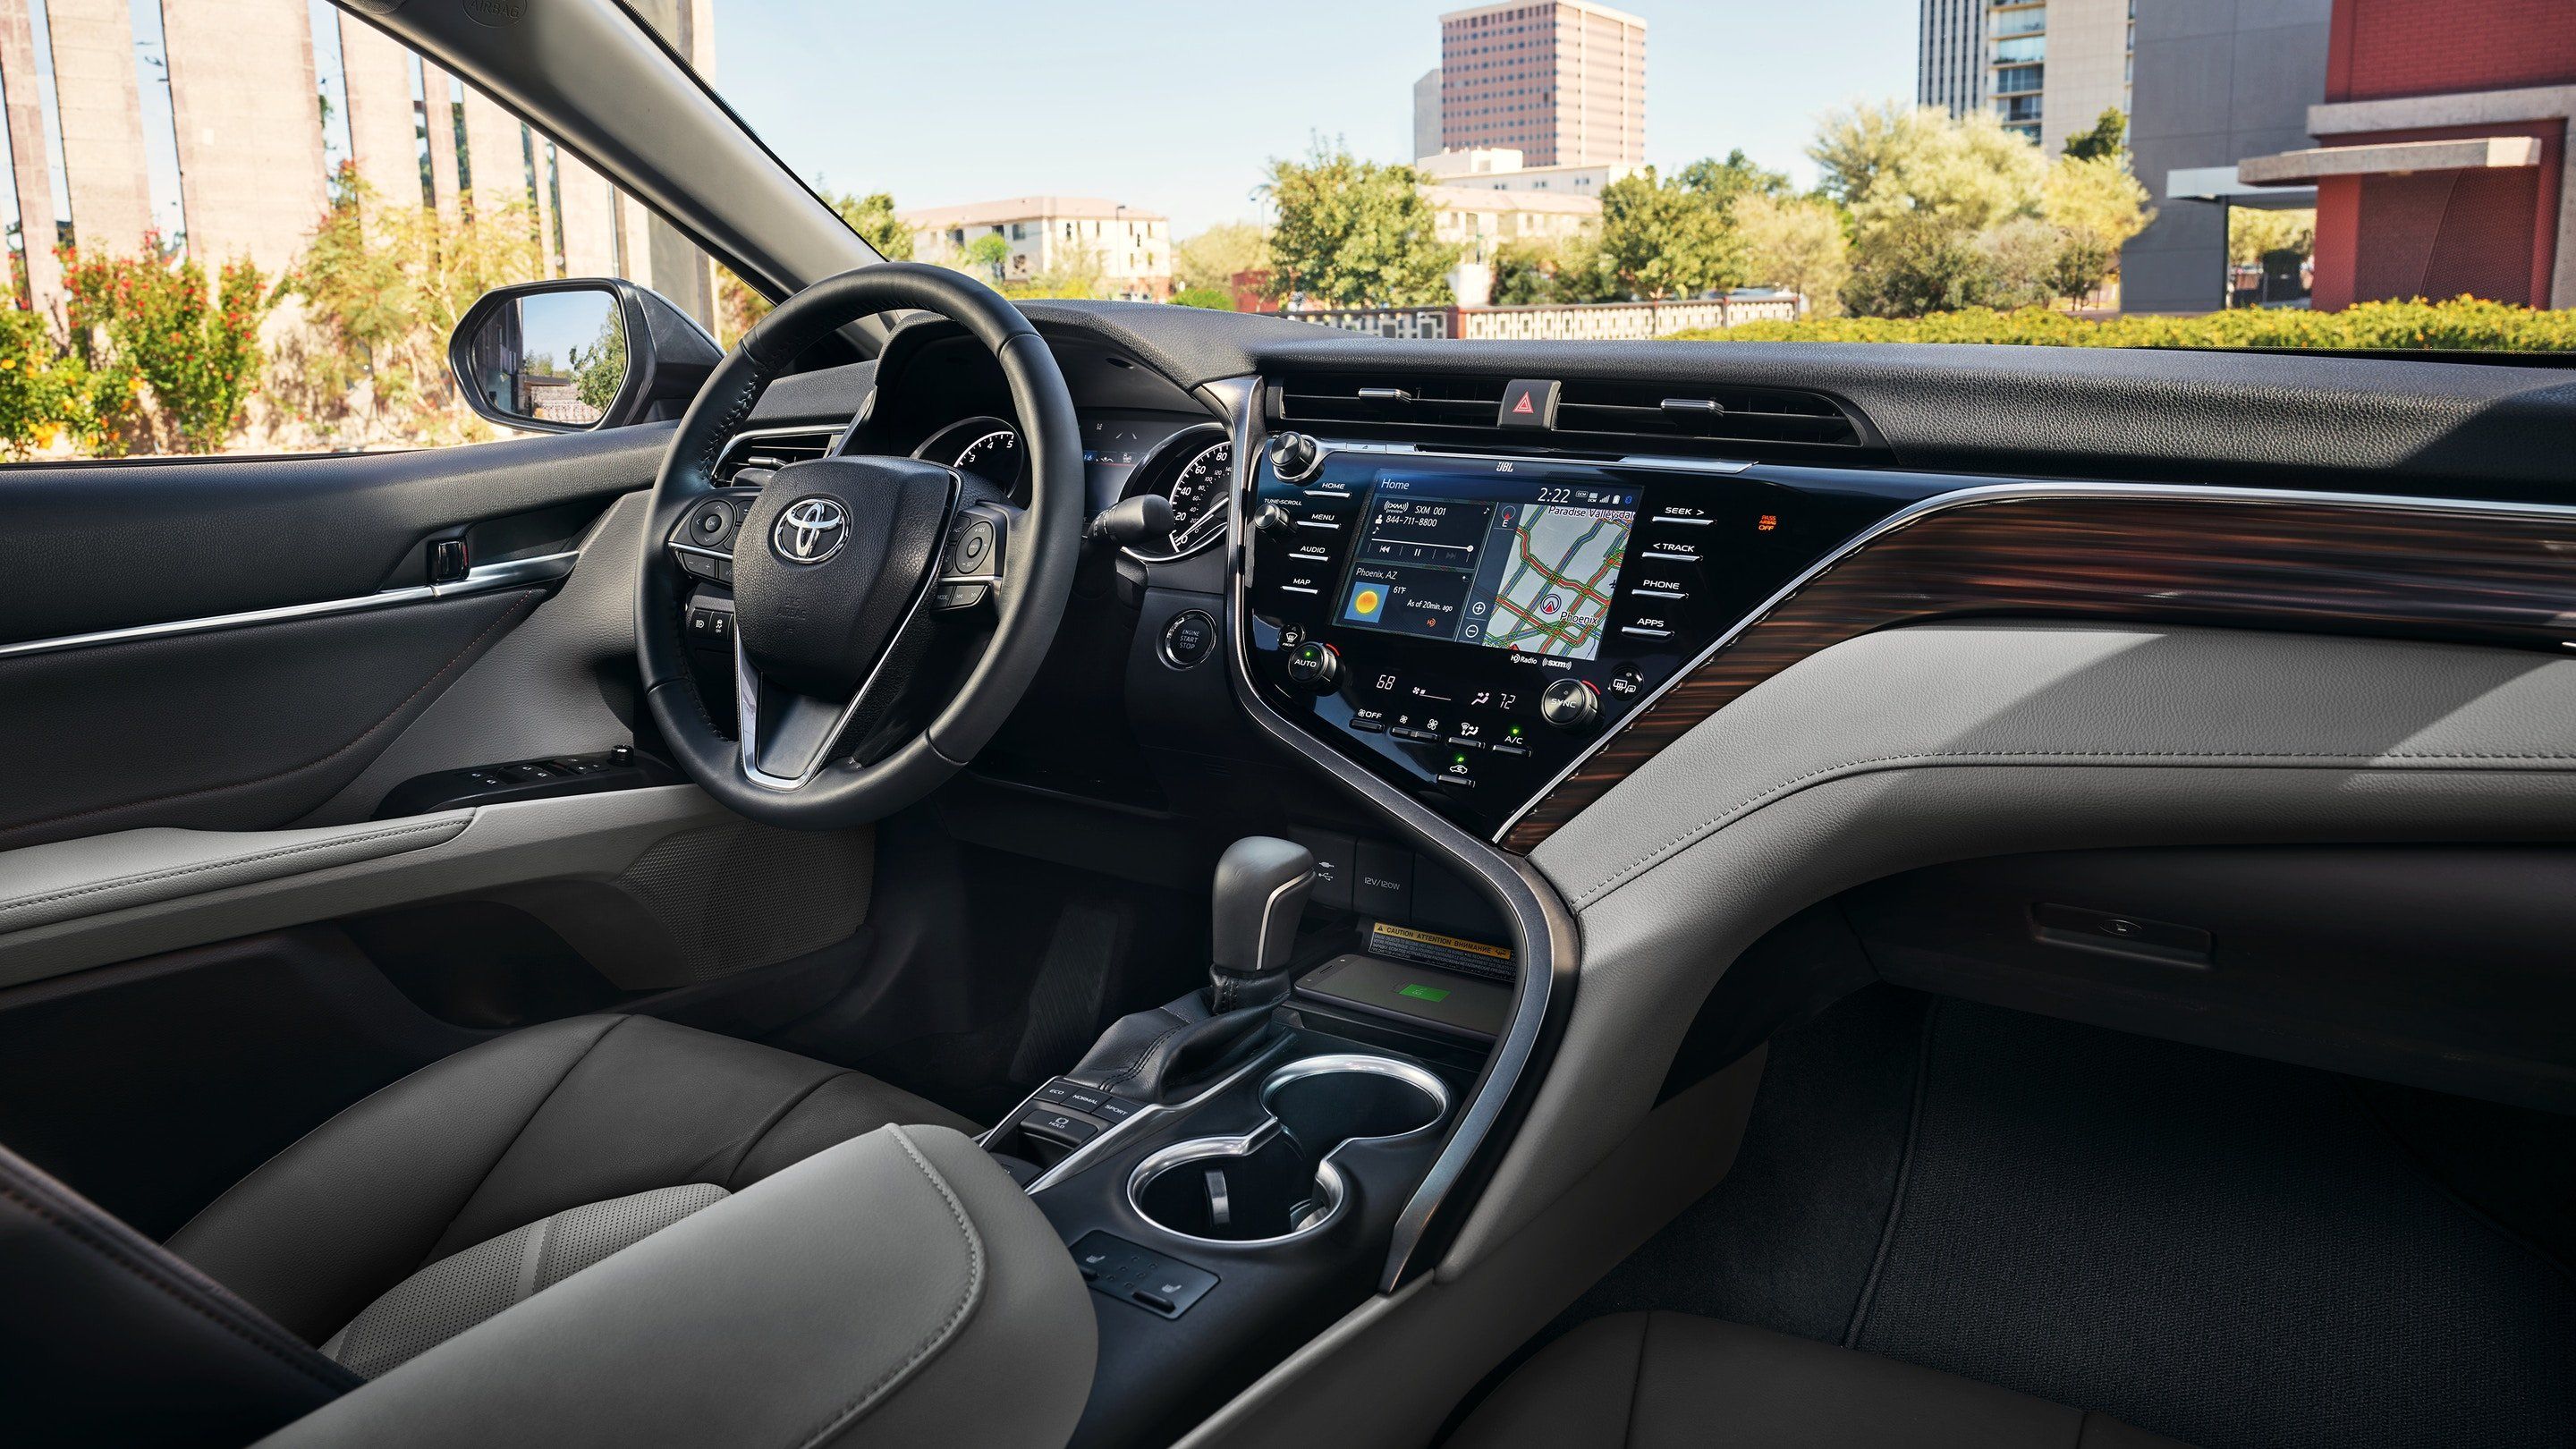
(1315, 665)
(972, 553)
(1189, 639)
(712, 521)
(1295, 457)
(958, 596)
(1570, 704)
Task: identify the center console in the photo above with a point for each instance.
(1468, 626)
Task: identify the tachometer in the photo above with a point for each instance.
(993, 455)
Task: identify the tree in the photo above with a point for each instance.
(1914, 264)
(1799, 245)
(985, 256)
(1354, 233)
(1212, 258)
(2106, 138)
(1724, 181)
(599, 370)
(2096, 207)
(1666, 238)
(2254, 233)
(1891, 160)
(872, 217)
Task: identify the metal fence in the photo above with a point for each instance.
(1570, 322)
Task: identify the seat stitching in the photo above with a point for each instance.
(466, 1203)
(507, 616)
(760, 1134)
(26, 902)
(2321, 758)
(89, 1238)
(938, 1337)
(1637, 1383)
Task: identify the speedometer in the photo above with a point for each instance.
(1198, 496)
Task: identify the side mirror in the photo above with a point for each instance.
(570, 356)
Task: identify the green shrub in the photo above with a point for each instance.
(196, 346)
(2464, 324)
(1214, 299)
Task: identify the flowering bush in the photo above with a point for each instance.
(2461, 324)
(151, 324)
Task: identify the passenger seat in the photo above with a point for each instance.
(1675, 1381)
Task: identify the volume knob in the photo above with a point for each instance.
(1570, 704)
(1295, 457)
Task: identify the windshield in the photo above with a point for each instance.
(2347, 174)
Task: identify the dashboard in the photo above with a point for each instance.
(1468, 627)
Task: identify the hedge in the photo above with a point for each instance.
(2463, 324)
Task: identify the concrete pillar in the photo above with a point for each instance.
(541, 173)
(678, 270)
(32, 181)
(589, 218)
(381, 139)
(439, 115)
(494, 155)
(250, 128)
(102, 123)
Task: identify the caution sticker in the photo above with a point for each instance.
(1402, 943)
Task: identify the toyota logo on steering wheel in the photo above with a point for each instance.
(810, 531)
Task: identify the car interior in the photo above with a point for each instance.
(1105, 874)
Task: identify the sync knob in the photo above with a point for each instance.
(1570, 704)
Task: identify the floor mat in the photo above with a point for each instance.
(2228, 1251)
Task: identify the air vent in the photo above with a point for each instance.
(1610, 418)
(749, 459)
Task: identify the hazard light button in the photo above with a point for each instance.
(1529, 404)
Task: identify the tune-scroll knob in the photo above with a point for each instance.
(1570, 704)
(1272, 519)
(1295, 457)
(1315, 665)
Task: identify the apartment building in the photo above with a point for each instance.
(1132, 247)
(1501, 168)
(1564, 82)
(1950, 65)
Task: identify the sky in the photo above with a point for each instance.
(1176, 105)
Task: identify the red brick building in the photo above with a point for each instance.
(2443, 165)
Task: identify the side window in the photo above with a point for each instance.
(249, 228)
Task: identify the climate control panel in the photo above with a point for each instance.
(1468, 626)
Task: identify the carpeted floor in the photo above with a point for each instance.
(2227, 1251)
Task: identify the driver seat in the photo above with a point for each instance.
(484, 1179)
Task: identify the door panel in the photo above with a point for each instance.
(96, 546)
(239, 729)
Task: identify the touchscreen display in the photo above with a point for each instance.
(1528, 567)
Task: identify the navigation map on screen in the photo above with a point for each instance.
(1535, 576)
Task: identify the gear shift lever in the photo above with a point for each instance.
(1261, 886)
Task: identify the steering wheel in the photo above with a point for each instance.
(848, 570)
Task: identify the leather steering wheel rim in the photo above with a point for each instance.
(1029, 598)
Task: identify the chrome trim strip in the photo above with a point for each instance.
(1728, 466)
(1081, 1156)
(1334, 1190)
(1155, 455)
(508, 574)
(1543, 932)
(1993, 492)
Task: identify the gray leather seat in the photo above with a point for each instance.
(1675, 1381)
(701, 1239)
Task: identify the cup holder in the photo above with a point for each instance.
(1278, 1181)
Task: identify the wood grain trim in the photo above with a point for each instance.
(2335, 565)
